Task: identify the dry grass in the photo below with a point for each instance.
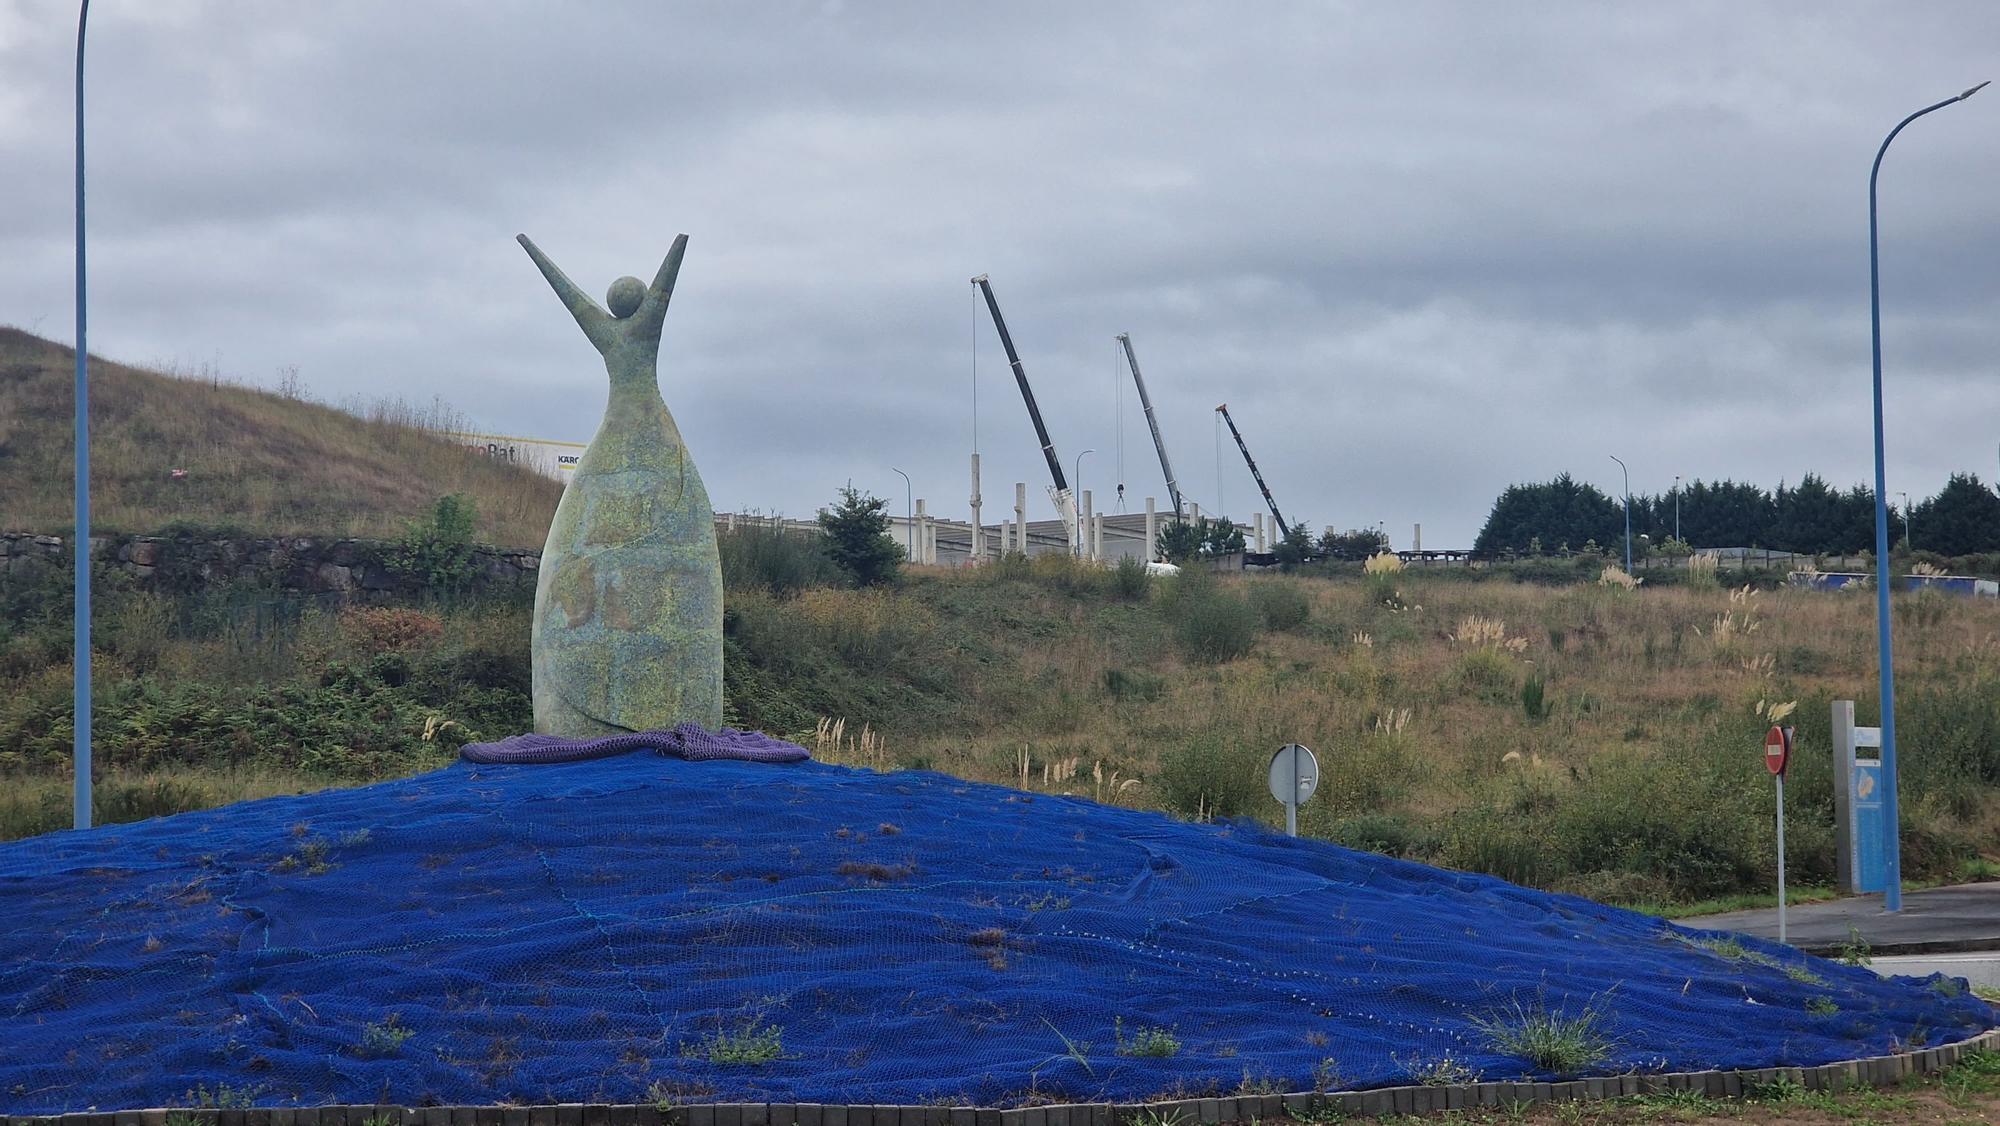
(1417, 716)
(262, 462)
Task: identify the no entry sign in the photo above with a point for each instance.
(1777, 750)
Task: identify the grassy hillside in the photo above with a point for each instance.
(258, 461)
(1584, 738)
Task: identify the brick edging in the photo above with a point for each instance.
(1874, 1071)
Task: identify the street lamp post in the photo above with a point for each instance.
(1076, 502)
(1628, 513)
(909, 514)
(1677, 508)
(1906, 519)
(1892, 898)
(80, 660)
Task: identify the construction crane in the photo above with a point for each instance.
(1059, 493)
(1145, 400)
(1223, 410)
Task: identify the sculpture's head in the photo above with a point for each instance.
(625, 296)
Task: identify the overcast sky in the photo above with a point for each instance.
(1422, 250)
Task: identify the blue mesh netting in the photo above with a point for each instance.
(584, 932)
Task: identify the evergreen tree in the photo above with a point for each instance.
(1179, 541)
(1353, 544)
(1962, 519)
(1807, 519)
(1562, 511)
(1296, 547)
(1220, 537)
(858, 539)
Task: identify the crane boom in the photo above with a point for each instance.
(1223, 410)
(1065, 503)
(1153, 424)
(1021, 378)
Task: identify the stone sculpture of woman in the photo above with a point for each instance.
(628, 604)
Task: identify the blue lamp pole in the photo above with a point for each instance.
(80, 661)
(1628, 513)
(909, 514)
(1892, 899)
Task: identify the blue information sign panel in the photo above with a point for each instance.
(1871, 867)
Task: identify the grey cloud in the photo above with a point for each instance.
(1423, 250)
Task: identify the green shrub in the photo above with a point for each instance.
(1130, 580)
(436, 551)
(1065, 574)
(1131, 684)
(1485, 672)
(1282, 605)
(1386, 833)
(1534, 697)
(1215, 625)
(757, 555)
(1213, 775)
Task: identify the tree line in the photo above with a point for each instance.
(1811, 518)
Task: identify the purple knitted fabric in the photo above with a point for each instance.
(689, 741)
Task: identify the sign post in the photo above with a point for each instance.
(1294, 777)
(1777, 754)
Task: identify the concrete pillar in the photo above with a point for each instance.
(1257, 530)
(1152, 530)
(1417, 538)
(1097, 536)
(730, 520)
(1021, 516)
(1083, 527)
(917, 534)
(978, 529)
(1194, 513)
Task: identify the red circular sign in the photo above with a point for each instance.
(1777, 749)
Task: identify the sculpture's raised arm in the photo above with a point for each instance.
(662, 290)
(590, 316)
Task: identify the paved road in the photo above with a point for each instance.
(1934, 921)
(1979, 969)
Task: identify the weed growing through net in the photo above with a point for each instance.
(1078, 1053)
(1801, 973)
(383, 1039)
(752, 1045)
(1822, 1007)
(1855, 951)
(1444, 1071)
(1552, 1040)
(222, 1097)
(1148, 1040)
(1947, 987)
(1263, 1084)
(1327, 1076)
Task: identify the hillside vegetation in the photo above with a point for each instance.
(1587, 738)
(256, 461)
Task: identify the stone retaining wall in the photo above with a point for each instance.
(184, 564)
(1877, 1071)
